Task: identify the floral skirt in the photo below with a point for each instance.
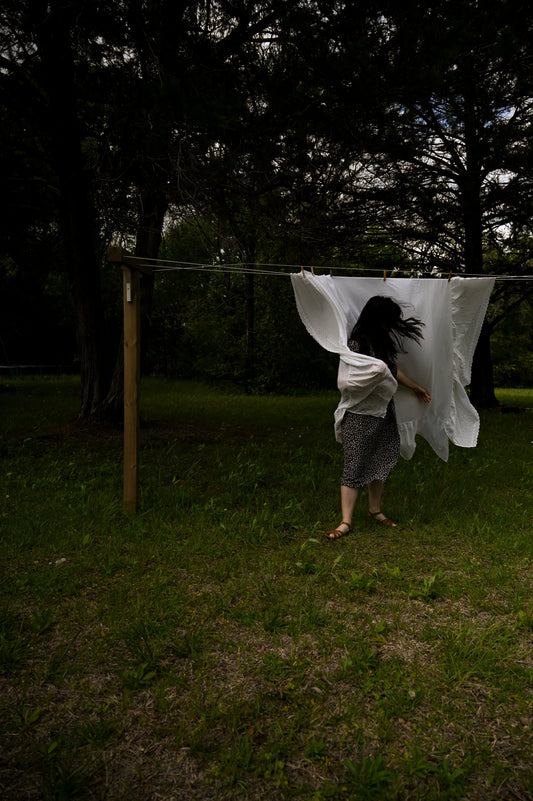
(371, 447)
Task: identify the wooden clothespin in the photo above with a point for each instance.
(303, 272)
(449, 276)
(384, 275)
(312, 270)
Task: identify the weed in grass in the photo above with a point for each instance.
(57, 664)
(270, 767)
(187, 645)
(430, 588)
(370, 779)
(418, 763)
(363, 582)
(316, 750)
(284, 675)
(307, 562)
(277, 670)
(235, 760)
(13, 646)
(63, 778)
(451, 779)
(359, 662)
(393, 574)
(41, 621)
(139, 676)
(144, 668)
(313, 614)
(435, 776)
(470, 652)
(379, 631)
(274, 617)
(139, 638)
(201, 733)
(392, 696)
(25, 717)
(97, 732)
(524, 619)
(245, 478)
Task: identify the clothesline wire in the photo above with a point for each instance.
(264, 268)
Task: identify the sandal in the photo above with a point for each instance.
(336, 533)
(385, 521)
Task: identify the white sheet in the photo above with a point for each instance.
(453, 313)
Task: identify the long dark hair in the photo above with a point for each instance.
(381, 329)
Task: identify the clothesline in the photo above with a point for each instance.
(329, 307)
(264, 268)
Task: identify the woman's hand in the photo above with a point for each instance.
(421, 393)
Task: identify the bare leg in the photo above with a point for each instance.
(375, 493)
(348, 499)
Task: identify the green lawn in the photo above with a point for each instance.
(216, 646)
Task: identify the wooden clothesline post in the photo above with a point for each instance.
(132, 373)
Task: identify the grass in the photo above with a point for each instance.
(217, 647)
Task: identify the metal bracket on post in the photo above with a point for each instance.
(127, 278)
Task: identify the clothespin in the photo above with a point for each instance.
(384, 275)
(449, 276)
(303, 272)
(331, 273)
(312, 270)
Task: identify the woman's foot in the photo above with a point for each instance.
(382, 519)
(343, 529)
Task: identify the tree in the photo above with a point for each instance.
(44, 44)
(121, 90)
(447, 173)
(380, 134)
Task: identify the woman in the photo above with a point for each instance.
(371, 444)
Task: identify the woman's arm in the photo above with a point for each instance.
(421, 393)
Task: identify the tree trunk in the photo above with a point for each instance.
(111, 409)
(482, 380)
(76, 211)
(249, 366)
(482, 383)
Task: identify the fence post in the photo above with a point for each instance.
(132, 370)
(132, 374)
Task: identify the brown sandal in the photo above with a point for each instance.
(385, 522)
(336, 533)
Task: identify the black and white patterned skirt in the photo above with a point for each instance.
(371, 447)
